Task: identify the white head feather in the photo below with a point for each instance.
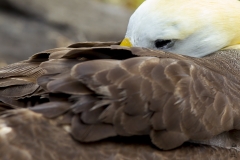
(192, 27)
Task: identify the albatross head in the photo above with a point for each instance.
(189, 27)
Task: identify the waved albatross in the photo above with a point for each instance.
(172, 84)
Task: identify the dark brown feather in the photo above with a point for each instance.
(30, 136)
(113, 90)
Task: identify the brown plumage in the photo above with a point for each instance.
(34, 137)
(100, 90)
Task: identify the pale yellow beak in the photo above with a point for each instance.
(126, 43)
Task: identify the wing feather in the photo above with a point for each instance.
(112, 90)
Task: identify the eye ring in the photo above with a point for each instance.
(163, 44)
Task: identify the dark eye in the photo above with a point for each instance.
(163, 44)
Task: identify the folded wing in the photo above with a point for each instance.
(96, 92)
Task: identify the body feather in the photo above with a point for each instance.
(171, 98)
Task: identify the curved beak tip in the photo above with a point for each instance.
(126, 43)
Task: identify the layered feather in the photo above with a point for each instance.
(25, 135)
(96, 91)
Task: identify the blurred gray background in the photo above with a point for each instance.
(30, 26)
